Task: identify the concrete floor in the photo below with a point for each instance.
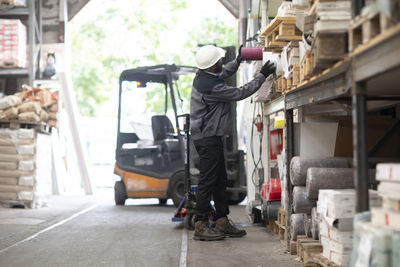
(92, 231)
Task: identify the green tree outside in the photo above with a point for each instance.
(127, 34)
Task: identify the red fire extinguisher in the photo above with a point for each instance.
(258, 123)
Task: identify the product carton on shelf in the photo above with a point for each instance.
(12, 44)
(388, 172)
(341, 203)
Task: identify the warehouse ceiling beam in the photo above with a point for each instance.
(74, 6)
(232, 6)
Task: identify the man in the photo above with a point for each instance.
(210, 113)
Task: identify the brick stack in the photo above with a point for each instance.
(12, 44)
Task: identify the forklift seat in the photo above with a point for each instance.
(162, 127)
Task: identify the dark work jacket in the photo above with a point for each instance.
(210, 101)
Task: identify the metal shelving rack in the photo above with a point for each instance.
(32, 14)
(370, 73)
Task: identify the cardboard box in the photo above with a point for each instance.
(385, 217)
(388, 172)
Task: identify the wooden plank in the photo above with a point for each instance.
(365, 28)
(293, 247)
(275, 22)
(308, 250)
(300, 241)
(289, 38)
(322, 261)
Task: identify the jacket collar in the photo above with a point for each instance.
(204, 82)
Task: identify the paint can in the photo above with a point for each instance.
(252, 53)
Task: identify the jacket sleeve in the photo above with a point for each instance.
(223, 92)
(229, 69)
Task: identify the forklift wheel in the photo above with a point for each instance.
(120, 193)
(188, 221)
(178, 188)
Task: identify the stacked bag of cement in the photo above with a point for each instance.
(25, 167)
(33, 105)
(301, 221)
(378, 240)
(336, 210)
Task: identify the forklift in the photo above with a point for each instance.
(155, 168)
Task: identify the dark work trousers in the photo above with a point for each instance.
(213, 178)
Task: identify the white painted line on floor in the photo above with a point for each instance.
(53, 226)
(184, 248)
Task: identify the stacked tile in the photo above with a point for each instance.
(332, 16)
(387, 218)
(389, 188)
(19, 167)
(337, 209)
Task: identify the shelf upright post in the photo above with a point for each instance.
(357, 5)
(31, 41)
(289, 143)
(40, 37)
(360, 149)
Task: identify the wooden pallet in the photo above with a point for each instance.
(280, 83)
(16, 124)
(321, 261)
(327, 49)
(281, 216)
(13, 204)
(280, 32)
(273, 226)
(8, 3)
(308, 250)
(294, 79)
(364, 28)
(10, 64)
(293, 247)
(305, 67)
(282, 232)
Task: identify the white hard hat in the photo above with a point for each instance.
(208, 55)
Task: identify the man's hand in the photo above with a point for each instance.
(239, 56)
(267, 69)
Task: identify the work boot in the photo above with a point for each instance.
(205, 233)
(225, 226)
